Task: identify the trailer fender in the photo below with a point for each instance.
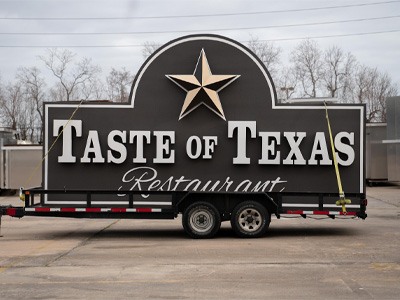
(225, 202)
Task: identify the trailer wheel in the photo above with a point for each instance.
(250, 219)
(201, 220)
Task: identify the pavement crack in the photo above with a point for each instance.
(81, 244)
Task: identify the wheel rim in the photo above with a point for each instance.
(250, 220)
(201, 220)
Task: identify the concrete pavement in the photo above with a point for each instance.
(297, 259)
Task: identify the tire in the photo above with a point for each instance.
(201, 220)
(250, 219)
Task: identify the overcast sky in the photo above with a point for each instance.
(166, 20)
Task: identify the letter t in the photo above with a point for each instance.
(67, 156)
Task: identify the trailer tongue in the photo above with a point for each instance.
(202, 135)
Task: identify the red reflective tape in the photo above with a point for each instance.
(12, 212)
(42, 209)
(93, 209)
(295, 212)
(68, 209)
(349, 213)
(319, 212)
(118, 210)
(143, 210)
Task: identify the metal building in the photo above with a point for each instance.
(376, 152)
(393, 138)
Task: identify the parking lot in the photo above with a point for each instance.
(55, 258)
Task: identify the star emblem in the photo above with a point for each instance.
(202, 87)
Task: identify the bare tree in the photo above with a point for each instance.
(346, 94)
(2, 99)
(337, 70)
(56, 93)
(267, 52)
(149, 48)
(372, 88)
(11, 102)
(70, 74)
(118, 85)
(286, 83)
(2, 104)
(307, 61)
(27, 120)
(93, 89)
(364, 79)
(384, 88)
(33, 85)
(17, 110)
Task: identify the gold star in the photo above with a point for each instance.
(202, 87)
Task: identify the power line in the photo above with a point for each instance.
(267, 40)
(200, 30)
(331, 36)
(196, 16)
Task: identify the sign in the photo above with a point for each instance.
(203, 116)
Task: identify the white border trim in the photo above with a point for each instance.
(87, 209)
(339, 206)
(7, 148)
(316, 205)
(391, 141)
(298, 205)
(94, 202)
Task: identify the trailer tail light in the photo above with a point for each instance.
(364, 202)
(12, 212)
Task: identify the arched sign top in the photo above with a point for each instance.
(204, 70)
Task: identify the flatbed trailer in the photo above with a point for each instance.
(225, 205)
(233, 153)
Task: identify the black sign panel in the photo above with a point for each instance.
(203, 116)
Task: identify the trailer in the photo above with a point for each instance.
(16, 162)
(202, 136)
(393, 138)
(17, 158)
(376, 154)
